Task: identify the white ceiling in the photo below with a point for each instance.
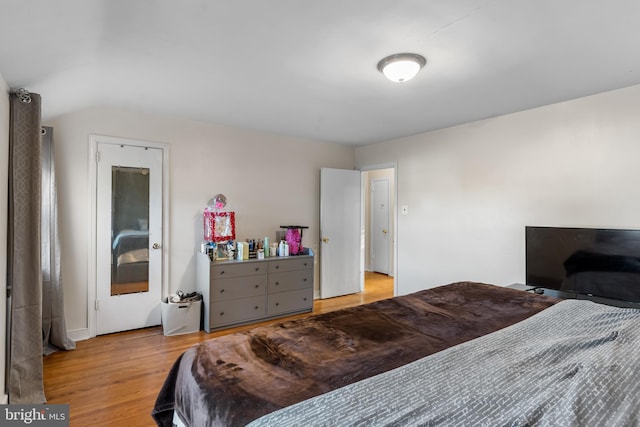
(308, 68)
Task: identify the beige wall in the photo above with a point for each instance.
(4, 180)
(269, 180)
(471, 189)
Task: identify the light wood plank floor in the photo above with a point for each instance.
(113, 380)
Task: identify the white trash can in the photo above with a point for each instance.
(180, 317)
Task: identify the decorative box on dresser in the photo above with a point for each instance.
(236, 292)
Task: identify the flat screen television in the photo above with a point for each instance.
(584, 261)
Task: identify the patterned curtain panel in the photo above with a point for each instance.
(24, 265)
(54, 329)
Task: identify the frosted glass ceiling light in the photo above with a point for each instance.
(401, 66)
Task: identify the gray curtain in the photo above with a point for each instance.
(24, 274)
(54, 329)
(36, 324)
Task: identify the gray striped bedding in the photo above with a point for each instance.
(576, 363)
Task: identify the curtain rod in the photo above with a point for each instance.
(23, 95)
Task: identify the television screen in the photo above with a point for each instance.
(598, 262)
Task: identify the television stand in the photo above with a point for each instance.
(574, 295)
(522, 287)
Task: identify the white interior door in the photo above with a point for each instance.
(380, 231)
(341, 233)
(128, 237)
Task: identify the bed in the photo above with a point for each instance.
(533, 373)
(130, 251)
(335, 368)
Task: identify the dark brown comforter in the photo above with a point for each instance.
(234, 379)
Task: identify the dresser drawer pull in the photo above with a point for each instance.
(304, 280)
(305, 264)
(256, 307)
(277, 283)
(305, 298)
(277, 267)
(221, 313)
(221, 291)
(222, 272)
(257, 286)
(257, 268)
(277, 304)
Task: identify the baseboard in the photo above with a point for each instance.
(79, 334)
(4, 400)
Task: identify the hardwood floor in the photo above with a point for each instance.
(129, 288)
(113, 380)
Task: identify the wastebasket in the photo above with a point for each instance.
(180, 317)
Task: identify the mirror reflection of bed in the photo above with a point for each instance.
(130, 230)
(130, 263)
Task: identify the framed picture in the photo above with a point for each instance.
(219, 226)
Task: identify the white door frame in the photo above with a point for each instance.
(394, 166)
(91, 267)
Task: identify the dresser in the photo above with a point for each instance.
(236, 292)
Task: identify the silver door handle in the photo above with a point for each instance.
(156, 246)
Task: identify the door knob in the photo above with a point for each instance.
(156, 246)
(325, 239)
(385, 231)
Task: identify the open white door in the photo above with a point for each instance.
(341, 236)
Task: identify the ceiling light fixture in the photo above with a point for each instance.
(401, 66)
